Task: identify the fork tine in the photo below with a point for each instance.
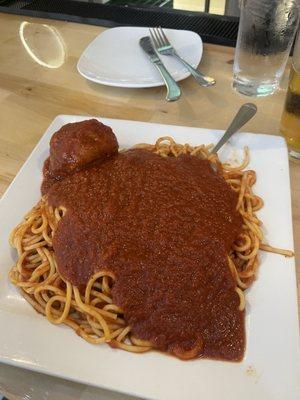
(161, 38)
(164, 36)
(156, 33)
(153, 38)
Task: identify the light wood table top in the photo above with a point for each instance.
(32, 95)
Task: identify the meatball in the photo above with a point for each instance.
(78, 144)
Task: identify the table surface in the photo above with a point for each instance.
(33, 93)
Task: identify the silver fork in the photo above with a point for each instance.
(164, 47)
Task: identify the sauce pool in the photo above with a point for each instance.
(164, 227)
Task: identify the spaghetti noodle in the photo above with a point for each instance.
(91, 312)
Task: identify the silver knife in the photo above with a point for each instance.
(173, 90)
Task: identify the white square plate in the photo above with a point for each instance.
(115, 58)
(271, 367)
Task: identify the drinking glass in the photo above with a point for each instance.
(266, 33)
(290, 120)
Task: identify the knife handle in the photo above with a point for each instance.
(173, 90)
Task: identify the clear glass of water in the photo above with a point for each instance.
(266, 32)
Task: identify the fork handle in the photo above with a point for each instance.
(173, 90)
(245, 113)
(200, 78)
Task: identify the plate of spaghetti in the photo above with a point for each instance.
(141, 262)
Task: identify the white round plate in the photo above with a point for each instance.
(115, 58)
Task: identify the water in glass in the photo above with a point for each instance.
(266, 32)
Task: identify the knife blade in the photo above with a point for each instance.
(148, 48)
(173, 90)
